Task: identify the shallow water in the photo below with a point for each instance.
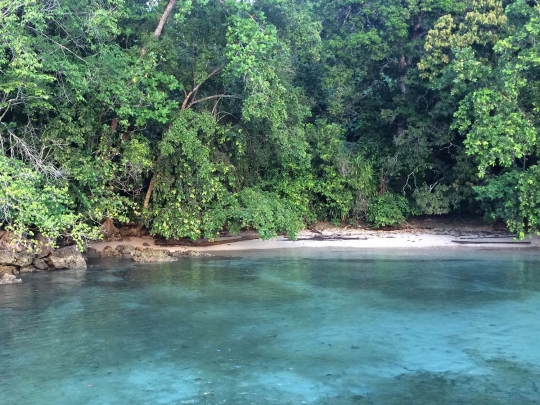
(278, 327)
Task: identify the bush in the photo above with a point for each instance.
(29, 204)
(435, 200)
(268, 214)
(514, 197)
(388, 209)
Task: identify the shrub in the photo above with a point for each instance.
(28, 203)
(388, 209)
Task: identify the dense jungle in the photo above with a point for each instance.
(192, 117)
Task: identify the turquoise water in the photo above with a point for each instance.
(294, 327)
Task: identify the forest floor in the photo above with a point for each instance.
(429, 232)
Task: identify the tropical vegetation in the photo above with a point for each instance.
(197, 116)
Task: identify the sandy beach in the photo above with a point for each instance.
(352, 239)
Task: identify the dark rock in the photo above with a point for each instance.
(125, 249)
(178, 253)
(125, 231)
(92, 252)
(67, 258)
(133, 231)
(191, 253)
(152, 256)
(195, 253)
(9, 279)
(110, 252)
(8, 269)
(146, 244)
(40, 264)
(139, 232)
(11, 258)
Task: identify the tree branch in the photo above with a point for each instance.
(60, 45)
(210, 98)
(192, 92)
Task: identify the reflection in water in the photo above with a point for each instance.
(278, 328)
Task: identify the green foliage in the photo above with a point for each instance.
(267, 213)
(29, 204)
(193, 196)
(513, 197)
(189, 181)
(388, 209)
(435, 200)
(344, 179)
(271, 114)
(497, 131)
(487, 58)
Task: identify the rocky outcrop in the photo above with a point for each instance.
(40, 245)
(11, 263)
(9, 279)
(8, 270)
(66, 258)
(109, 231)
(147, 255)
(189, 253)
(43, 246)
(110, 252)
(40, 264)
(126, 251)
(12, 258)
(28, 269)
(33, 255)
(9, 241)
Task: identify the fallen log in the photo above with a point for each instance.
(204, 242)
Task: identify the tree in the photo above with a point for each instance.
(195, 116)
(490, 60)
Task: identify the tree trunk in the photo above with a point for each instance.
(404, 90)
(168, 9)
(108, 230)
(161, 24)
(157, 34)
(149, 192)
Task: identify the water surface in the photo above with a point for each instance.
(278, 327)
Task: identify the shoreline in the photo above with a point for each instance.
(350, 239)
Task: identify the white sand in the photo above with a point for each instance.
(353, 239)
